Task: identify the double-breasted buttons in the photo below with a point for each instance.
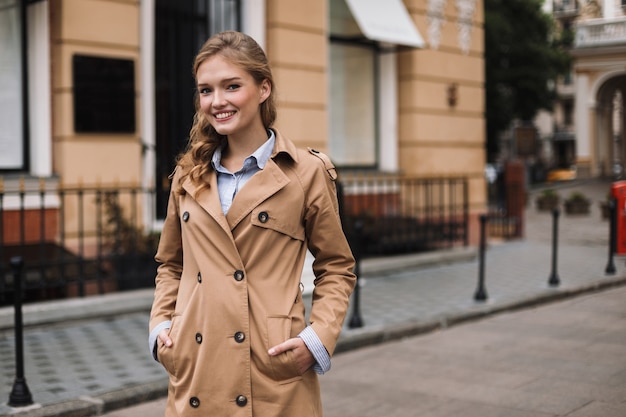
(238, 275)
(264, 217)
(240, 337)
(194, 402)
(241, 400)
(198, 338)
(185, 216)
(199, 277)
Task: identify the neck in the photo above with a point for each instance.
(242, 146)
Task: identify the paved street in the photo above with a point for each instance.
(560, 358)
(563, 359)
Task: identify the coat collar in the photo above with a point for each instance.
(259, 188)
(284, 146)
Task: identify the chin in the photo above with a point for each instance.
(222, 130)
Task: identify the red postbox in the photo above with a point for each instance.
(618, 191)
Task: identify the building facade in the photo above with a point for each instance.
(588, 121)
(101, 91)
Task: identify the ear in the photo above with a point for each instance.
(265, 89)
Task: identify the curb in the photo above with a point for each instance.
(382, 334)
(91, 307)
(87, 406)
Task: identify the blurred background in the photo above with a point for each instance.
(434, 111)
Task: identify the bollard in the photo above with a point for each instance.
(355, 320)
(481, 292)
(20, 394)
(610, 266)
(554, 280)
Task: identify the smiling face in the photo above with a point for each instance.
(230, 98)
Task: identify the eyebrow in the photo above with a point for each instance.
(224, 81)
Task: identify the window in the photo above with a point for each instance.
(104, 94)
(353, 137)
(568, 112)
(11, 104)
(352, 105)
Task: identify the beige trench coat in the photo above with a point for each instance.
(231, 287)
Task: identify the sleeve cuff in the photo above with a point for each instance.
(153, 337)
(319, 352)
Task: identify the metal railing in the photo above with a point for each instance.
(82, 240)
(76, 240)
(395, 214)
(501, 224)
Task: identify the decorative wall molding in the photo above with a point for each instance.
(465, 10)
(436, 19)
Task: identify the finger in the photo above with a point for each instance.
(288, 344)
(164, 337)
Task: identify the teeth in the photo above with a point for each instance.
(224, 115)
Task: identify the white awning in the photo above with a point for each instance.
(386, 21)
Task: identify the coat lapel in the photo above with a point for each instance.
(209, 200)
(259, 188)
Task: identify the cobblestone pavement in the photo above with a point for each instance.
(90, 367)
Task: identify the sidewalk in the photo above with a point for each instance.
(90, 361)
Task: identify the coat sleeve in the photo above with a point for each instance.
(170, 258)
(334, 264)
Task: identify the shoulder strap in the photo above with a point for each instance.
(328, 164)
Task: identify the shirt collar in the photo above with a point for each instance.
(261, 155)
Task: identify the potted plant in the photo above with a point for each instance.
(577, 203)
(547, 200)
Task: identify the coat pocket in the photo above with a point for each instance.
(281, 220)
(167, 355)
(283, 366)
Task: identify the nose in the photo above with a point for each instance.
(219, 98)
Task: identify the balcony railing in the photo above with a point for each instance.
(600, 32)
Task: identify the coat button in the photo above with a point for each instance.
(240, 337)
(185, 216)
(198, 338)
(238, 275)
(195, 402)
(241, 400)
(199, 277)
(263, 217)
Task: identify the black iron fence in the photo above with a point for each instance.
(75, 240)
(396, 214)
(81, 240)
(506, 199)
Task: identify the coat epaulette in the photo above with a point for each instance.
(328, 164)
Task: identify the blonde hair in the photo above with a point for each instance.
(243, 51)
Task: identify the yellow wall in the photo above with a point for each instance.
(100, 28)
(297, 47)
(436, 138)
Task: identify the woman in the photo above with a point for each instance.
(228, 320)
